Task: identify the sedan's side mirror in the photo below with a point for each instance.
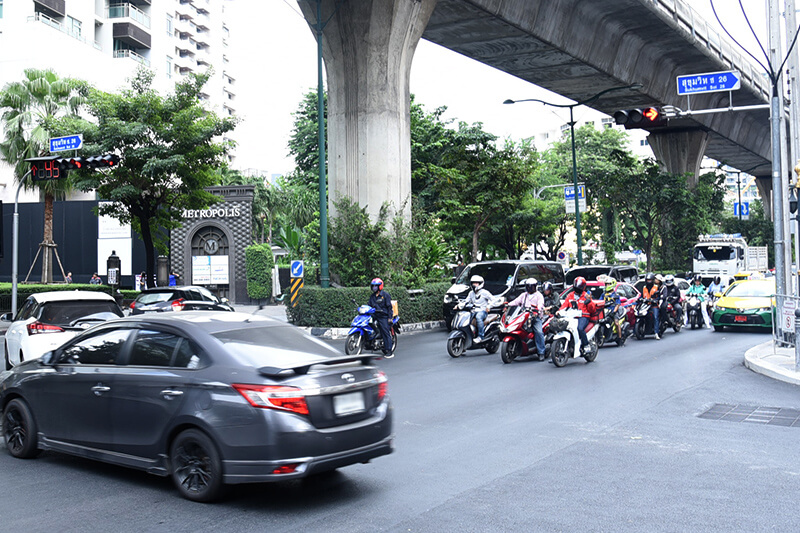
(717, 295)
(224, 300)
(48, 359)
(623, 300)
(7, 317)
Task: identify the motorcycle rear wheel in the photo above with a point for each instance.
(510, 350)
(456, 346)
(677, 325)
(638, 330)
(601, 336)
(353, 344)
(558, 352)
(591, 355)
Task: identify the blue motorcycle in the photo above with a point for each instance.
(365, 335)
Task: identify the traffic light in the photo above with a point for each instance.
(102, 161)
(647, 117)
(45, 168)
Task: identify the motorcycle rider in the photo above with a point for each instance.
(533, 299)
(671, 295)
(382, 302)
(697, 289)
(714, 288)
(479, 298)
(551, 299)
(613, 302)
(580, 298)
(650, 291)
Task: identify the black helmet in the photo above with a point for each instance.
(698, 278)
(547, 287)
(650, 278)
(717, 280)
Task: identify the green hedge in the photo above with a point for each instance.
(258, 267)
(333, 308)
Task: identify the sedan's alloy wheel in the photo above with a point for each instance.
(196, 466)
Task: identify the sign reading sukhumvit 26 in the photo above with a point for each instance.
(217, 212)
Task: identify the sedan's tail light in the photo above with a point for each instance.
(177, 305)
(40, 327)
(274, 397)
(133, 305)
(383, 386)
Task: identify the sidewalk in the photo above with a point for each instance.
(279, 312)
(772, 361)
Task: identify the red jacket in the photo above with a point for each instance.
(585, 304)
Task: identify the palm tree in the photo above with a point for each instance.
(28, 106)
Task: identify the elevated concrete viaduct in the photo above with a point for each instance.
(575, 48)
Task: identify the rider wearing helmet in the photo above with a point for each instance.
(479, 298)
(715, 286)
(580, 298)
(382, 302)
(698, 289)
(551, 299)
(533, 299)
(650, 291)
(613, 302)
(672, 295)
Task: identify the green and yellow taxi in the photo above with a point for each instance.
(745, 303)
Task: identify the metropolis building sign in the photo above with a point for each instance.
(209, 247)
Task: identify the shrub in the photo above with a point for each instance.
(334, 308)
(258, 264)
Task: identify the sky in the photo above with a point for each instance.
(275, 63)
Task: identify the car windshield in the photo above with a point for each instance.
(492, 273)
(274, 345)
(762, 289)
(589, 273)
(155, 297)
(66, 312)
(714, 253)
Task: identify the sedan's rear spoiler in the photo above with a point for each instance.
(273, 371)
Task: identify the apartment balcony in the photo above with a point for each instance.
(130, 54)
(129, 11)
(184, 27)
(57, 25)
(54, 8)
(185, 11)
(131, 34)
(184, 64)
(185, 47)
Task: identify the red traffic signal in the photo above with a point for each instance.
(102, 161)
(648, 117)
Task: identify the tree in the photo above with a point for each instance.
(304, 140)
(29, 108)
(168, 156)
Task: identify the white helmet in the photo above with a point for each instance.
(476, 279)
(669, 280)
(530, 285)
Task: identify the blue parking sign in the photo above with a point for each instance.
(297, 269)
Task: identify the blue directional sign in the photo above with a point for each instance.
(296, 269)
(569, 192)
(741, 209)
(710, 82)
(62, 144)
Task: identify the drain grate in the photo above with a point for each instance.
(773, 416)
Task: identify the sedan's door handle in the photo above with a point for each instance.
(99, 389)
(169, 394)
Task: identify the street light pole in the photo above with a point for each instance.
(571, 108)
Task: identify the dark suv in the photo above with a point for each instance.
(502, 278)
(188, 298)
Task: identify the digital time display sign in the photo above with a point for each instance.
(46, 170)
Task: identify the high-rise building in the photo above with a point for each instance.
(103, 42)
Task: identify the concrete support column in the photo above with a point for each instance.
(368, 48)
(680, 152)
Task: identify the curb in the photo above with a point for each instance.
(756, 360)
(341, 333)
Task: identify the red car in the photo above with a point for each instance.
(627, 292)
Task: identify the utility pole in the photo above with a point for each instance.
(792, 65)
(775, 122)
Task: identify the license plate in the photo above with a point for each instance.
(348, 404)
(740, 318)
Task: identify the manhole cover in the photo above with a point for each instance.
(774, 416)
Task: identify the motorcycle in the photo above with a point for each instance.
(518, 339)
(566, 341)
(644, 319)
(694, 312)
(365, 335)
(609, 331)
(465, 331)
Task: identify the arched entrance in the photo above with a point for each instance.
(211, 261)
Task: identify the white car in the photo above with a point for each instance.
(49, 319)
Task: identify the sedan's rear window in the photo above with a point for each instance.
(65, 313)
(155, 297)
(275, 345)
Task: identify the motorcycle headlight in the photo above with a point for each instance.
(450, 298)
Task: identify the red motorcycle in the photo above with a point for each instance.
(516, 334)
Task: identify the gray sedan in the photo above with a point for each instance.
(208, 398)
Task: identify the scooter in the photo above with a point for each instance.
(566, 340)
(518, 339)
(611, 330)
(365, 335)
(694, 312)
(645, 320)
(465, 330)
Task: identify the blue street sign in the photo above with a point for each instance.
(62, 144)
(569, 192)
(744, 207)
(710, 82)
(297, 269)
(637, 252)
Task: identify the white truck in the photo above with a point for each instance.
(725, 255)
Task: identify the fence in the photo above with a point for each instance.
(783, 320)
